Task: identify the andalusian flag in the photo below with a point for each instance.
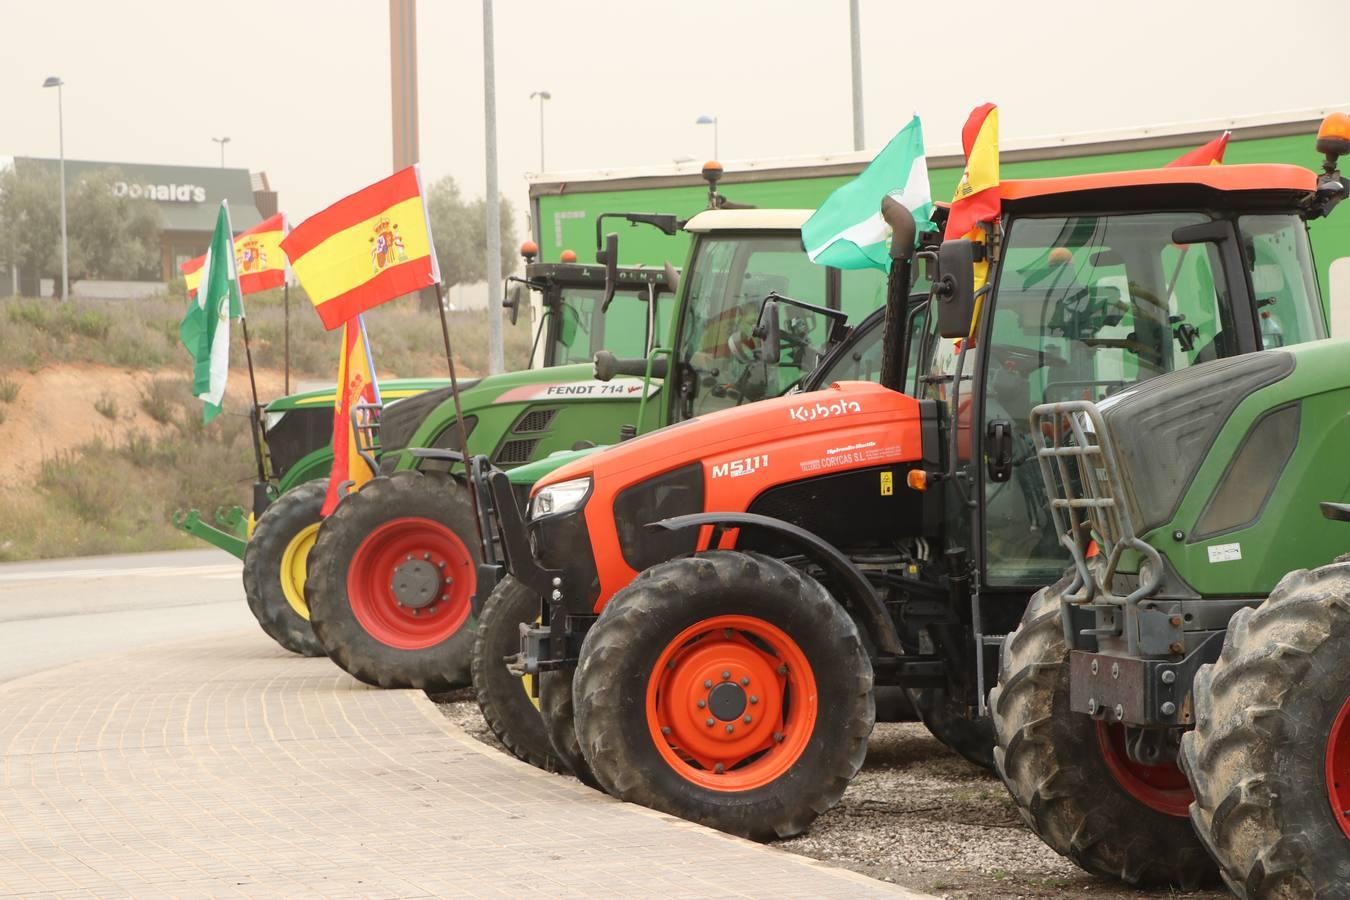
(365, 249)
(1210, 154)
(848, 232)
(206, 327)
(355, 384)
(977, 198)
(257, 256)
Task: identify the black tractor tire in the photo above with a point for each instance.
(559, 716)
(644, 622)
(1257, 758)
(422, 499)
(956, 726)
(286, 520)
(503, 698)
(1051, 760)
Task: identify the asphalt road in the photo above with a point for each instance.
(60, 611)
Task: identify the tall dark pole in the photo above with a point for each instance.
(286, 332)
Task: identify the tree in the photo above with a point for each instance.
(110, 236)
(459, 229)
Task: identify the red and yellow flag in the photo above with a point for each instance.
(365, 249)
(355, 384)
(977, 197)
(1210, 154)
(257, 255)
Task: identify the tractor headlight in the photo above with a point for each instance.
(562, 497)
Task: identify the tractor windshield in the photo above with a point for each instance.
(729, 278)
(1087, 306)
(581, 329)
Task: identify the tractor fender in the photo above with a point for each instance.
(852, 582)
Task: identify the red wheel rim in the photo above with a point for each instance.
(739, 668)
(1162, 788)
(391, 564)
(1338, 767)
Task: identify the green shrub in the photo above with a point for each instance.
(9, 390)
(160, 397)
(106, 406)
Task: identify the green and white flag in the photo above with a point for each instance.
(206, 326)
(847, 232)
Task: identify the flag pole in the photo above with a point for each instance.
(253, 417)
(286, 332)
(459, 416)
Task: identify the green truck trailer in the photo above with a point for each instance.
(564, 206)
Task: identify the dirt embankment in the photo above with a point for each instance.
(62, 406)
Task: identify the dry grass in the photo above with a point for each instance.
(116, 494)
(142, 335)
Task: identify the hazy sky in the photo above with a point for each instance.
(302, 87)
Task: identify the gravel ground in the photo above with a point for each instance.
(920, 816)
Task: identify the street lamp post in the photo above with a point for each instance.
(709, 120)
(222, 141)
(542, 95)
(54, 81)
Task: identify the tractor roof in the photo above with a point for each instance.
(1158, 186)
(748, 220)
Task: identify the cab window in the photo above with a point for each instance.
(583, 329)
(1279, 262)
(729, 279)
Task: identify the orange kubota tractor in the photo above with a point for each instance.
(719, 598)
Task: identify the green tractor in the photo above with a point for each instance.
(394, 587)
(1174, 700)
(293, 434)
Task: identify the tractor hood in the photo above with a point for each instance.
(390, 389)
(816, 428)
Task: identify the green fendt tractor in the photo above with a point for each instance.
(394, 574)
(1182, 502)
(295, 432)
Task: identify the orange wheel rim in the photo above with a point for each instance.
(752, 683)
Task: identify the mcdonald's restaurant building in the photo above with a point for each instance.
(187, 197)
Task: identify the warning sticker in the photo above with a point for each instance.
(1225, 553)
(887, 484)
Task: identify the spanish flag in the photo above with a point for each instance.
(1210, 154)
(257, 257)
(977, 197)
(365, 249)
(355, 384)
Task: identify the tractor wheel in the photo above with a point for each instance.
(505, 700)
(728, 689)
(1070, 776)
(558, 714)
(956, 726)
(1270, 755)
(275, 567)
(391, 582)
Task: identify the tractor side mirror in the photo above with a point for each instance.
(954, 289)
(766, 329)
(1212, 232)
(609, 258)
(515, 293)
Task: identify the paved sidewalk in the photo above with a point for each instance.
(225, 766)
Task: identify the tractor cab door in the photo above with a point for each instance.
(1084, 307)
(719, 363)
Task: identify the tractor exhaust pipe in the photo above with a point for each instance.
(894, 345)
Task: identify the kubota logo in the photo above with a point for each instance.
(737, 467)
(824, 410)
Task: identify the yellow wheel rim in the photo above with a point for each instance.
(293, 569)
(528, 680)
